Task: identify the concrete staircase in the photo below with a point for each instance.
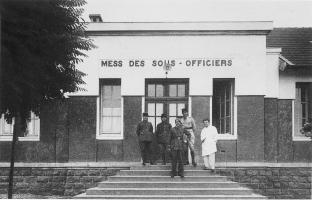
(154, 182)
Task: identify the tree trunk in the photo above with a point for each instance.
(16, 130)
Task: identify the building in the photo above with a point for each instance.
(253, 81)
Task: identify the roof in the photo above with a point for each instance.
(181, 28)
(296, 44)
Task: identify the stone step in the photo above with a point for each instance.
(164, 173)
(106, 184)
(176, 197)
(163, 167)
(168, 191)
(167, 178)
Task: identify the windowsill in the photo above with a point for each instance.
(226, 137)
(107, 136)
(29, 138)
(301, 139)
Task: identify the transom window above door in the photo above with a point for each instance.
(167, 96)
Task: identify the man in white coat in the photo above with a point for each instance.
(209, 144)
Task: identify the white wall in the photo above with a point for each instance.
(248, 54)
(287, 83)
(272, 73)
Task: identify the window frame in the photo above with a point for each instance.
(298, 136)
(30, 137)
(166, 98)
(108, 136)
(233, 110)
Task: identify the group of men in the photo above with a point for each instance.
(176, 140)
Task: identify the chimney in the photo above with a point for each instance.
(95, 18)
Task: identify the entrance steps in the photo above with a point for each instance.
(154, 182)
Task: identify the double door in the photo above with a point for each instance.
(173, 109)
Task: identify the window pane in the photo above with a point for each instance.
(228, 93)
(151, 90)
(159, 109)
(151, 109)
(303, 94)
(37, 127)
(8, 128)
(304, 110)
(116, 112)
(106, 124)
(116, 93)
(173, 90)
(227, 108)
(180, 107)
(116, 124)
(107, 103)
(181, 90)
(171, 121)
(158, 120)
(152, 120)
(116, 103)
(107, 112)
(107, 91)
(159, 90)
(227, 125)
(222, 126)
(222, 110)
(172, 109)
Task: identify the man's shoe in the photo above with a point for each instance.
(205, 168)
(212, 170)
(172, 176)
(194, 164)
(182, 176)
(143, 164)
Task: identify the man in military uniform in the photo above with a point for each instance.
(162, 135)
(177, 134)
(145, 134)
(189, 125)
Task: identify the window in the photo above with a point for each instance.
(165, 96)
(32, 131)
(302, 107)
(110, 107)
(222, 106)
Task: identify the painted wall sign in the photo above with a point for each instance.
(199, 62)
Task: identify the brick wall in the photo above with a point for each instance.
(54, 181)
(280, 183)
(273, 182)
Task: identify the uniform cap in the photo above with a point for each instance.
(145, 114)
(184, 110)
(163, 115)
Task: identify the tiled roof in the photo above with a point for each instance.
(296, 44)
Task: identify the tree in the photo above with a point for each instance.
(42, 41)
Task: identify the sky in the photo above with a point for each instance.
(283, 13)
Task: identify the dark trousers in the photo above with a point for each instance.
(163, 151)
(177, 158)
(146, 151)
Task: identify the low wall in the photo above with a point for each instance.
(273, 182)
(54, 181)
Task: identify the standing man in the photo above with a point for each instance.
(162, 135)
(189, 125)
(208, 138)
(145, 134)
(177, 148)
